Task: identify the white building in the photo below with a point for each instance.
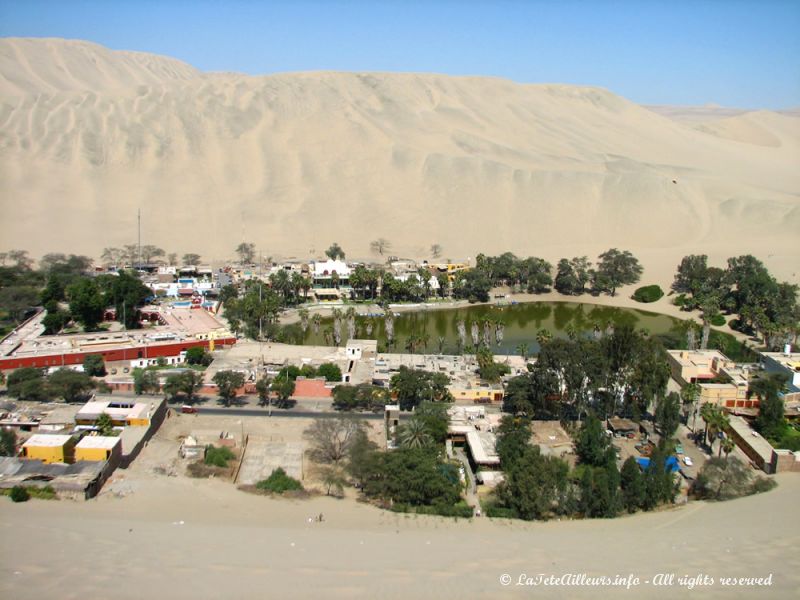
(323, 271)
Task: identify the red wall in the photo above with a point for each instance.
(76, 358)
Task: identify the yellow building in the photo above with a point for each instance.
(98, 448)
(50, 448)
(476, 392)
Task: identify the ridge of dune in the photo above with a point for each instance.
(49, 65)
(294, 161)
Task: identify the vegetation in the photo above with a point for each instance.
(72, 386)
(197, 355)
(573, 275)
(8, 442)
(412, 386)
(648, 293)
(104, 424)
(183, 384)
(615, 268)
(360, 397)
(246, 252)
(329, 371)
(532, 274)
(764, 306)
(728, 478)
(331, 439)
(19, 494)
(94, 365)
(145, 381)
(488, 369)
(620, 373)
(228, 383)
(279, 482)
(218, 457)
(335, 252)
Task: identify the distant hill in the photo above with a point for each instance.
(295, 161)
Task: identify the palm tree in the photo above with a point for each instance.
(716, 422)
(543, 336)
(316, 321)
(523, 350)
(440, 341)
(414, 434)
(303, 314)
(690, 394)
(727, 446)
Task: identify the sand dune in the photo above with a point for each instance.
(295, 161)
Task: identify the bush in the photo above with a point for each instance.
(279, 482)
(218, 457)
(462, 509)
(648, 293)
(197, 355)
(718, 320)
(19, 494)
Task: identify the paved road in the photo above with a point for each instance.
(235, 411)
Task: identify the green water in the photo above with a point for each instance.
(521, 323)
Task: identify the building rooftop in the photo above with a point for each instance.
(762, 447)
(40, 440)
(98, 441)
(116, 410)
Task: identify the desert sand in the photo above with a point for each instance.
(295, 161)
(175, 537)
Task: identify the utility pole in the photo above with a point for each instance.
(139, 235)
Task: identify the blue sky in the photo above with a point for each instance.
(734, 53)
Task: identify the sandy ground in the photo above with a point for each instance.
(155, 535)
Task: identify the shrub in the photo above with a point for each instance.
(718, 320)
(19, 494)
(197, 355)
(649, 293)
(218, 457)
(279, 482)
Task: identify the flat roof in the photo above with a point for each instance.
(43, 440)
(94, 409)
(762, 447)
(478, 447)
(98, 441)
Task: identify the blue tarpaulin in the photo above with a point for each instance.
(671, 463)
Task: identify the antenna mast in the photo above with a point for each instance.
(139, 242)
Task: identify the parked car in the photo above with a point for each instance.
(687, 461)
(187, 409)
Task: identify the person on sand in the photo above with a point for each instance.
(321, 518)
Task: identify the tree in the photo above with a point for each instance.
(716, 422)
(333, 480)
(228, 382)
(668, 414)
(632, 483)
(335, 252)
(104, 424)
(472, 285)
(616, 268)
(436, 250)
(8, 442)
(727, 478)
(331, 439)
(246, 252)
(145, 381)
(488, 369)
(263, 390)
(55, 320)
(769, 388)
(191, 259)
(659, 481)
(283, 387)
(690, 393)
(593, 446)
(513, 440)
(94, 365)
(70, 385)
(150, 252)
(185, 383)
(111, 256)
(21, 259)
(197, 355)
(127, 293)
(330, 372)
(361, 455)
(691, 274)
(86, 303)
(413, 386)
(533, 485)
(380, 246)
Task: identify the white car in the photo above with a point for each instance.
(687, 461)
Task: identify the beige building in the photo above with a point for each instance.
(722, 382)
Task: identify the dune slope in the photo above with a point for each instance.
(295, 161)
